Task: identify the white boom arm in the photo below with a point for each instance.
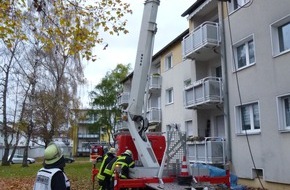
(138, 124)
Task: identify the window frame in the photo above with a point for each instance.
(274, 29)
(189, 128)
(239, 125)
(240, 43)
(168, 96)
(282, 123)
(231, 5)
(168, 65)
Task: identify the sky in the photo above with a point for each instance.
(123, 48)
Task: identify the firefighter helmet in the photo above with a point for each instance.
(128, 152)
(112, 150)
(52, 154)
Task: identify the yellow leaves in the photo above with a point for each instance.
(8, 43)
(75, 26)
(64, 22)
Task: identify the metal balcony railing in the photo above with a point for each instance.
(121, 125)
(87, 135)
(154, 83)
(209, 151)
(81, 149)
(88, 121)
(154, 115)
(204, 37)
(207, 91)
(123, 99)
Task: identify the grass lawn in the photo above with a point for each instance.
(16, 177)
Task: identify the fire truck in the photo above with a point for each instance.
(96, 153)
(162, 160)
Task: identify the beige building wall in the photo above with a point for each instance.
(174, 78)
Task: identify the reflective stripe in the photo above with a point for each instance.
(131, 164)
(122, 164)
(123, 176)
(100, 176)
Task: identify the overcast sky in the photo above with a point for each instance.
(122, 49)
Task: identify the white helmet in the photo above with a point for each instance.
(112, 150)
(128, 152)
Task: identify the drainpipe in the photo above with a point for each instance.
(225, 82)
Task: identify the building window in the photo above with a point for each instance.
(189, 128)
(168, 61)
(218, 71)
(237, 4)
(284, 112)
(284, 37)
(281, 36)
(244, 53)
(169, 96)
(248, 118)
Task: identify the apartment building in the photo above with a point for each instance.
(225, 81)
(85, 134)
(251, 56)
(173, 72)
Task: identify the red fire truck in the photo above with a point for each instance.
(96, 153)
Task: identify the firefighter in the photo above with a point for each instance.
(104, 179)
(109, 172)
(52, 176)
(125, 161)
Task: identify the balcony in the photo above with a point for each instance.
(199, 44)
(155, 83)
(154, 115)
(205, 93)
(87, 121)
(123, 99)
(87, 136)
(121, 126)
(83, 150)
(211, 150)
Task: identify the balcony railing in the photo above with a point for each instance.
(121, 126)
(123, 99)
(154, 115)
(204, 93)
(88, 121)
(86, 150)
(199, 43)
(155, 83)
(210, 151)
(87, 136)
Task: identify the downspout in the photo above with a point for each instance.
(225, 82)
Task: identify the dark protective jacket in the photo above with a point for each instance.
(109, 169)
(107, 159)
(126, 162)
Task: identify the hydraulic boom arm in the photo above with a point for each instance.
(137, 123)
